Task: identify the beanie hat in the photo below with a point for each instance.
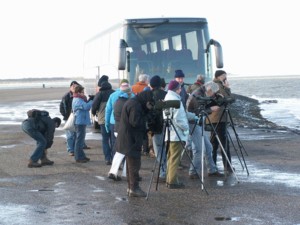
(57, 120)
(102, 79)
(178, 73)
(155, 81)
(173, 85)
(124, 81)
(219, 73)
(74, 82)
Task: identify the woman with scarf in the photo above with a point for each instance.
(81, 107)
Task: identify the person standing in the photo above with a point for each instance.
(193, 105)
(41, 128)
(119, 157)
(157, 127)
(129, 141)
(98, 107)
(138, 87)
(81, 107)
(219, 121)
(199, 82)
(65, 109)
(179, 119)
(141, 84)
(109, 112)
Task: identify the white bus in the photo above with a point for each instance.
(155, 46)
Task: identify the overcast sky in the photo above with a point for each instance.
(44, 38)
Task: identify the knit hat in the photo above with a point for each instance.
(178, 73)
(173, 85)
(74, 82)
(124, 81)
(219, 73)
(102, 79)
(155, 81)
(57, 120)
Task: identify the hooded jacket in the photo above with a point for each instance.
(132, 127)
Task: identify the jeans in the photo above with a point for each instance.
(106, 143)
(70, 135)
(197, 151)
(41, 142)
(221, 132)
(158, 148)
(79, 141)
(195, 166)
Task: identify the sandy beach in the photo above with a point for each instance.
(70, 193)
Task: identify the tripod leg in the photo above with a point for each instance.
(184, 149)
(155, 161)
(238, 140)
(235, 149)
(222, 148)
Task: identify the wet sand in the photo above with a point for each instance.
(70, 193)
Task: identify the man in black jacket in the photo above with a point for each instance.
(41, 128)
(130, 137)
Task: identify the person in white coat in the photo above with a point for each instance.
(179, 119)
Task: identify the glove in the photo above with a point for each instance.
(196, 118)
(107, 128)
(91, 97)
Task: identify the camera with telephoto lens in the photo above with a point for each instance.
(160, 105)
(220, 100)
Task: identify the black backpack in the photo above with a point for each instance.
(35, 113)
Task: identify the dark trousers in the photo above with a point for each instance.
(133, 166)
(221, 132)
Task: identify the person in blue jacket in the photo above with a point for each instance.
(81, 107)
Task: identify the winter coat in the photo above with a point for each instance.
(81, 110)
(132, 129)
(155, 124)
(226, 92)
(65, 105)
(118, 106)
(100, 100)
(45, 125)
(138, 87)
(109, 110)
(179, 119)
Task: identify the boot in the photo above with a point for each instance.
(138, 192)
(33, 164)
(45, 161)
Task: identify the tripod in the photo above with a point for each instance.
(201, 121)
(227, 114)
(166, 130)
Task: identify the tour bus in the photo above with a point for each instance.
(153, 46)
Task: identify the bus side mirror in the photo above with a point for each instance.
(218, 52)
(122, 55)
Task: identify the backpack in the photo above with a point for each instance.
(35, 113)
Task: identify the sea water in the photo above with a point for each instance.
(279, 97)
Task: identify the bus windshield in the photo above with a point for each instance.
(160, 49)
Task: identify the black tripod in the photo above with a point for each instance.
(166, 129)
(202, 117)
(227, 114)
